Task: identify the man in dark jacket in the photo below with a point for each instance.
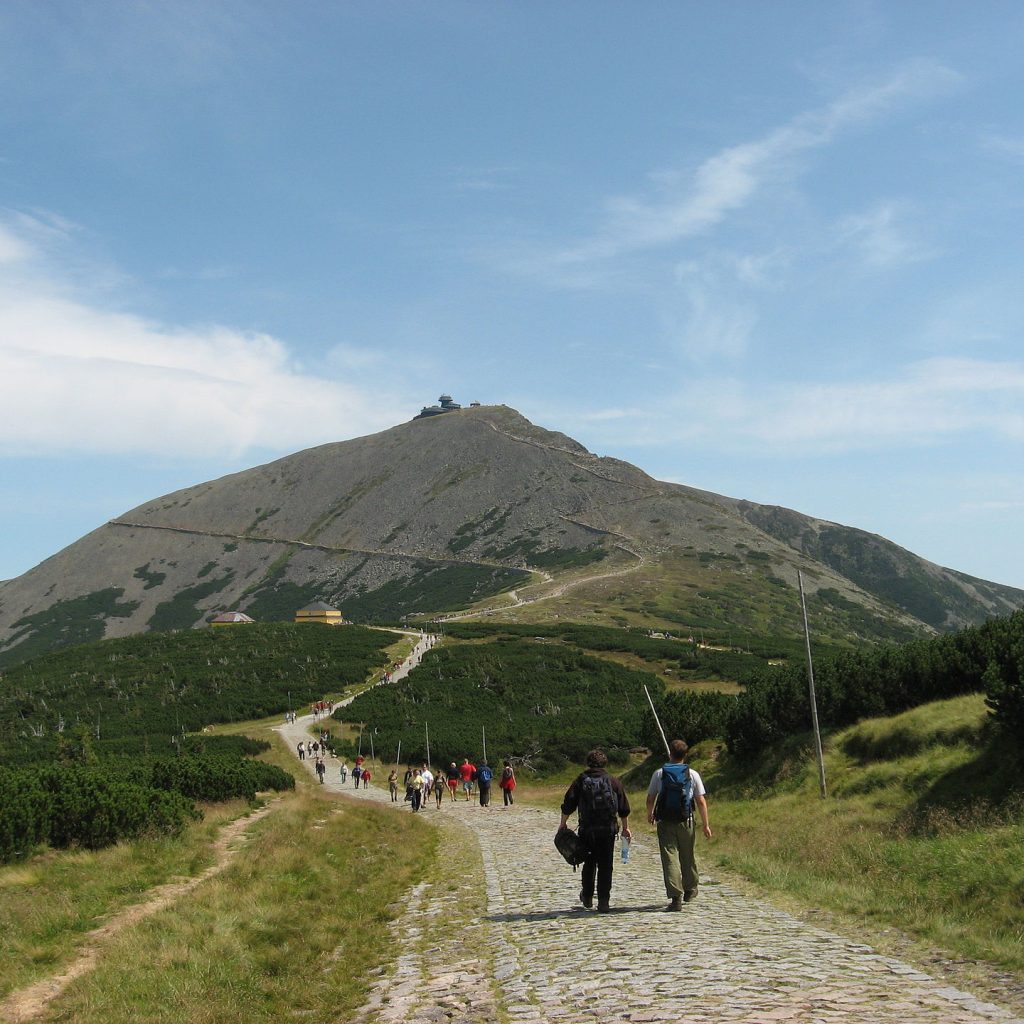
(601, 801)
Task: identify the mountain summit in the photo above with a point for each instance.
(477, 509)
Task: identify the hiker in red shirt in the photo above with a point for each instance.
(466, 773)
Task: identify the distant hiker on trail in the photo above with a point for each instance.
(320, 769)
(466, 773)
(428, 781)
(302, 750)
(453, 778)
(439, 790)
(356, 772)
(417, 789)
(366, 778)
(344, 772)
(674, 791)
(484, 777)
(507, 783)
(601, 801)
(393, 785)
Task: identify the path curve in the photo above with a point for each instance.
(28, 1003)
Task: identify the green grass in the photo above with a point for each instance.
(923, 830)
(83, 887)
(292, 928)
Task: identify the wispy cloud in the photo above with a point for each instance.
(687, 205)
(883, 238)
(925, 403)
(75, 377)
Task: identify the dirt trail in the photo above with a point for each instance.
(28, 1003)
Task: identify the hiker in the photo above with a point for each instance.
(601, 801)
(671, 796)
(393, 785)
(302, 751)
(439, 791)
(320, 769)
(344, 772)
(453, 778)
(417, 789)
(356, 772)
(366, 778)
(507, 783)
(484, 776)
(428, 781)
(466, 773)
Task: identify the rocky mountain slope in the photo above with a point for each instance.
(479, 510)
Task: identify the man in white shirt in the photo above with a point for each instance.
(428, 781)
(673, 793)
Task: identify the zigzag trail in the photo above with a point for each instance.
(533, 955)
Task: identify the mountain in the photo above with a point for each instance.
(479, 509)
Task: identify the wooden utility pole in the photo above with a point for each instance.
(483, 736)
(426, 731)
(657, 722)
(810, 680)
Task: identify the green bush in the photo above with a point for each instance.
(548, 699)
(884, 681)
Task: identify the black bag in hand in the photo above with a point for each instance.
(571, 847)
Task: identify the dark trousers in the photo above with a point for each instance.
(485, 794)
(600, 858)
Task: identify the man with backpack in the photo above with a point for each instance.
(601, 801)
(484, 777)
(674, 791)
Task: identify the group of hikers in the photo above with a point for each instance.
(421, 783)
(675, 791)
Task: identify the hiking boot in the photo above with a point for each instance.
(603, 907)
(587, 901)
(676, 903)
(688, 896)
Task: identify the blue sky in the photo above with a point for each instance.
(770, 250)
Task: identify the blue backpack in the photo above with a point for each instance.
(484, 775)
(675, 801)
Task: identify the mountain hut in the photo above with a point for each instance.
(230, 619)
(318, 611)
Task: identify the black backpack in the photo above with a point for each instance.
(599, 806)
(571, 847)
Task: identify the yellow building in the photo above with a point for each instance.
(319, 612)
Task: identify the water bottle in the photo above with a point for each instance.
(624, 850)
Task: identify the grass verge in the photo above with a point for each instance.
(922, 831)
(37, 935)
(290, 929)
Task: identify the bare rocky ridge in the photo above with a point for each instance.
(448, 512)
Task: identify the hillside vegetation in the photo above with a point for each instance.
(922, 831)
(138, 693)
(547, 703)
(95, 739)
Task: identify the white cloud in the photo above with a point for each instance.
(925, 403)
(78, 378)
(882, 237)
(687, 206)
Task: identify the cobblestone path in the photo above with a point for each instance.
(530, 953)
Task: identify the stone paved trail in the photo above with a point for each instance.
(538, 956)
